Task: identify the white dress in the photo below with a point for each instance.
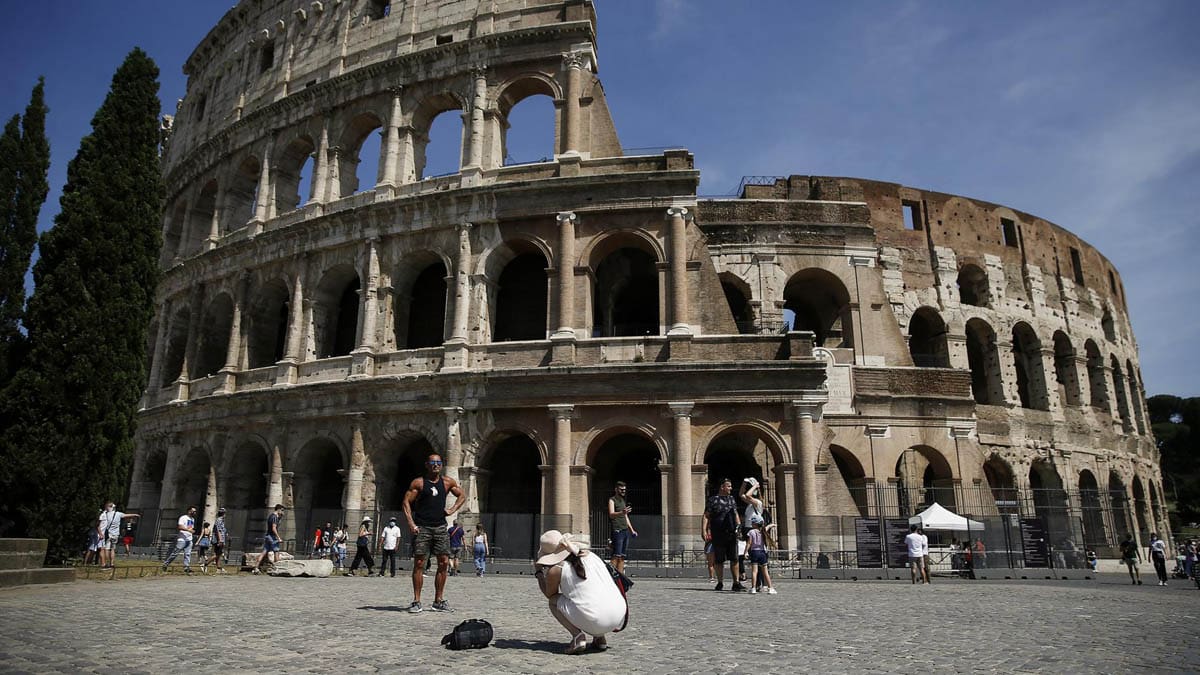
(594, 604)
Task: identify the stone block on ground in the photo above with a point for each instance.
(302, 568)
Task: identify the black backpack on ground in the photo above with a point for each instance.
(470, 634)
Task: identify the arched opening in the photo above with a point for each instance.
(819, 302)
(421, 313)
(521, 299)
(335, 312)
(359, 160)
(195, 485)
(632, 458)
(1118, 499)
(1052, 508)
(1140, 510)
(927, 339)
(438, 141)
(268, 318)
(316, 488)
(510, 496)
(528, 122)
(923, 476)
(1003, 485)
(1154, 510)
(292, 175)
(245, 496)
(154, 470)
(625, 301)
(1064, 370)
(1135, 397)
(973, 286)
(200, 219)
(212, 342)
(1093, 511)
(1107, 325)
(173, 232)
(853, 475)
(738, 455)
(982, 358)
(396, 470)
(177, 337)
(1095, 371)
(241, 198)
(1027, 360)
(1122, 392)
(737, 296)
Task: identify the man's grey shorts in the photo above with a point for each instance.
(435, 538)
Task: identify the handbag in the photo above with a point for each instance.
(623, 583)
(470, 634)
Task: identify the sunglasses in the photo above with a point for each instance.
(434, 463)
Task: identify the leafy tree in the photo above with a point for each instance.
(24, 162)
(73, 401)
(1175, 422)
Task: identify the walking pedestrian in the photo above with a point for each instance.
(220, 542)
(1158, 554)
(322, 541)
(271, 539)
(583, 598)
(925, 553)
(480, 549)
(110, 531)
(389, 543)
(127, 539)
(425, 508)
(186, 527)
(202, 545)
(622, 529)
(719, 525)
(756, 540)
(362, 548)
(1189, 558)
(980, 554)
(456, 534)
(1131, 557)
(916, 555)
(339, 547)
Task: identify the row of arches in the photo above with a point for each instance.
(814, 299)
(975, 290)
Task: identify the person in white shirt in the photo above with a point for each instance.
(186, 527)
(1158, 554)
(916, 555)
(110, 531)
(389, 540)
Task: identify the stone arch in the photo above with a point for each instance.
(241, 195)
(984, 361)
(819, 302)
(335, 311)
(600, 433)
(195, 483)
(420, 300)
(1118, 499)
(1095, 370)
(924, 476)
(1050, 502)
(292, 167)
(518, 89)
(1140, 509)
(626, 298)
(200, 218)
(173, 230)
(395, 465)
(1002, 483)
(424, 116)
(1135, 396)
(352, 143)
(773, 443)
(509, 485)
(1027, 361)
(267, 319)
(927, 339)
(973, 286)
(1064, 370)
(520, 294)
(148, 489)
(631, 455)
(1093, 510)
(737, 297)
(176, 345)
(1121, 391)
(1108, 326)
(317, 484)
(1154, 510)
(212, 342)
(853, 475)
(247, 489)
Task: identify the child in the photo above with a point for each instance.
(202, 546)
(481, 550)
(757, 543)
(339, 547)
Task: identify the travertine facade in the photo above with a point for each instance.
(553, 327)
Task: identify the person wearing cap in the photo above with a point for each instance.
(389, 543)
(425, 509)
(219, 540)
(362, 548)
(582, 595)
(272, 539)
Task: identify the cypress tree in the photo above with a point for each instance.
(74, 399)
(24, 162)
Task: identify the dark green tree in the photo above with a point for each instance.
(73, 401)
(1176, 425)
(24, 162)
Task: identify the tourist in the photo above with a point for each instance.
(480, 550)
(127, 539)
(1131, 557)
(719, 525)
(322, 541)
(916, 555)
(389, 543)
(339, 547)
(750, 496)
(425, 508)
(1158, 554)
(186, 527)
(582, 595)
(1189, 558)
(202, 545)
(927, 563)
(968, 561)
(220, 542)
(711, 559)
(757, 543)
(362, 548)
(271, 539)
(456, 534)
(110, 531)
(980, 554)
(622, 529)
(95, 541)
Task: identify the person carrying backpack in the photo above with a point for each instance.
(1131, 558)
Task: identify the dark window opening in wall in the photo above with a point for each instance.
(982, 359)
(280, 328)
(1109, 328)
(821, 304)
(739, 306)
(1076, 266)
(1064, 370)
(973, 286)
(521, 299)
(1095, 372)
(912, 214)
(1112, 282)
(927, 339)
(268, 322)
(427, 309)
(346, 328)
(1027, 362)
(200, 106)
(626, 299)
(1009, 230)
(266, 57)
(213, 340)
(379, 9)
(445, 39)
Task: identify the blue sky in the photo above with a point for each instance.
(1084, 113)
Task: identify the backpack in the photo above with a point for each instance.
(470, 634)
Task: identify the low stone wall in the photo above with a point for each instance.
(21, 563)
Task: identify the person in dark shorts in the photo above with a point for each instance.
(622, 529)
(456, 534)
(220, 540)
(1131, 557)
(425, 508)
(271, 539)
(720, 525)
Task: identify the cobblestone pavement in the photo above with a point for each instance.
(244, 623)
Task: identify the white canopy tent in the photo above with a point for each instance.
(937, 517)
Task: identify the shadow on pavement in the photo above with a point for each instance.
(530, 645)
(386, 608)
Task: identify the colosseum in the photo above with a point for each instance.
(863, 348)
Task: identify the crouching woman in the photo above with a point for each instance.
(583, 597)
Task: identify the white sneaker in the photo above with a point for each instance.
(771, 591)
(753, 591)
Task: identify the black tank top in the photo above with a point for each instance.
(431, 503)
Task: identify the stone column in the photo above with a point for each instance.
(352, 499)
(475, 141)
(210, 498)
(785, 506)
(806, 410)
(574, 63)
(454, 451)
(265, 207)
(563, 338)
(160, 347)
(189, 352)
(275, 477)
(683, 530)
(679, 292)
(214, 226)
(233, 352)
(391, 142)
(456, 357)
(363, 357)
(320, 176)
(560, 467)
(333, 177)
(285, 372)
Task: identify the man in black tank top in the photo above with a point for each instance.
(425, 508)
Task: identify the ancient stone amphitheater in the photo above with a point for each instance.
(864, 348)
